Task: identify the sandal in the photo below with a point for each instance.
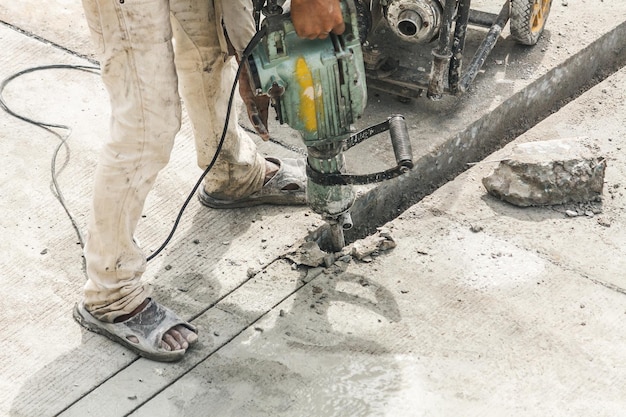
(286, 187)
(148, 326)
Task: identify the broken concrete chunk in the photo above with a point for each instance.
(308, 254)
(549, 172)
(379, 242)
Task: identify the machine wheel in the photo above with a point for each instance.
(528, 18)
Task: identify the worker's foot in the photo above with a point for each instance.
(152, 331)
(176, 338)
(285, 184)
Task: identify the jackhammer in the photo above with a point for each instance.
(318, 88)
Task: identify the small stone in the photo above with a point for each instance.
(386, 245)
(346, 259)
(251, 272)
(385, 232)
(571, 213)
(196, 241)
(43, 252)
(168, 267)
(380, 242)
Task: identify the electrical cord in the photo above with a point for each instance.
(244, 56)
(49, 127)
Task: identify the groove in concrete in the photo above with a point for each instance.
(524, 109)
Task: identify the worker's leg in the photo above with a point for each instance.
(137, 63)
(206, 79)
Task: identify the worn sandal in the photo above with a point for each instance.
(148, 326)
(286, 187)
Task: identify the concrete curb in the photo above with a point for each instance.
(489, 133)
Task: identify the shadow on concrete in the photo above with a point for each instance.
(299, 361)
(187, 283)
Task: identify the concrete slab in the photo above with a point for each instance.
(42, 261)
(582, 243)
(510, 317)
(336, 346)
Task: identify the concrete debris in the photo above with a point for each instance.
(549, 172)
(308, 254)
(379, 242)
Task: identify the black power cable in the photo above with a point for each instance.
(63, 138)
(49, 127)
(244, 57)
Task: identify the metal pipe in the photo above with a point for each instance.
(484, 19)
(485, 48)
(441, 55)
(409, 23)
(458, 45)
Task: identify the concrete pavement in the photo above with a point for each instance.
(481, 309)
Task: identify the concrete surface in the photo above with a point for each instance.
(482, 308)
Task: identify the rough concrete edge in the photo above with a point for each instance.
(488, 134)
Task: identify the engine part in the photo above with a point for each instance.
(416, 21)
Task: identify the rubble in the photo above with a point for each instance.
(308, 254)
(549, 172)
(311, 255)
(379, 242)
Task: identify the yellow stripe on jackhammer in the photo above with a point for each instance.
(307, 95)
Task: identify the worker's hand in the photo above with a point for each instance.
(314, 19)
(257, 106)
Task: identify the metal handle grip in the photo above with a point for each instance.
(400, 141)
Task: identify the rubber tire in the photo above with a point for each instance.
(526, 26)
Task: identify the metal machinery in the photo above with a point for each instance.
(395, 28)
(318, 87)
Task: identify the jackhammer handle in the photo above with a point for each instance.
(400, 141)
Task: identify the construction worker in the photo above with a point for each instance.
(144, 73)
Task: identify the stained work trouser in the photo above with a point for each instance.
(143, 71)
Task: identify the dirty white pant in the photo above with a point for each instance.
(143, 71)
